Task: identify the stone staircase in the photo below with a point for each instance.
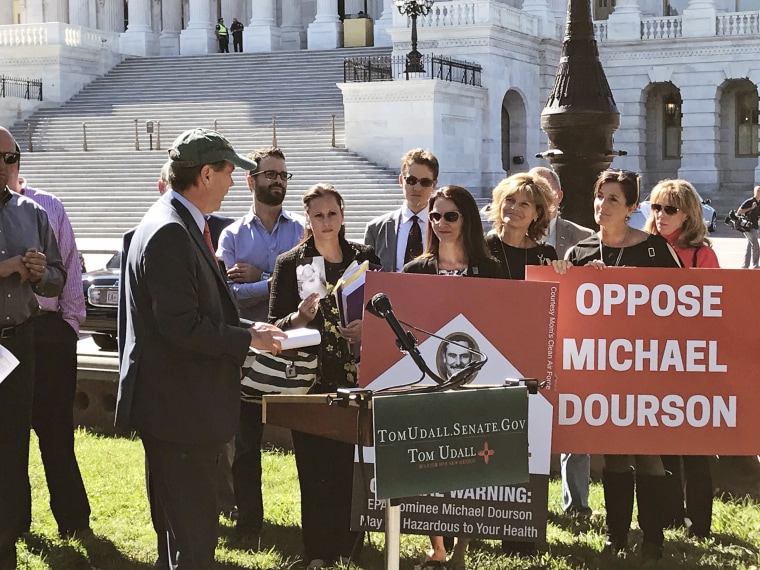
(107, 187)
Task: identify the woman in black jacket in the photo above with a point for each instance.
(455, 246)
(325, 466)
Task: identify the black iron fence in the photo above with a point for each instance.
(388, 68)
(21, 88)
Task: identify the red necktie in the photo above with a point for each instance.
(207, 237)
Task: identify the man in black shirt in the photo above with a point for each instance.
(237, 35)
(750, 208)
(29, 263)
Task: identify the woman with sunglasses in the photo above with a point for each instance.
(455, 246)
(616, 195)
(521, 209)
(676, 215)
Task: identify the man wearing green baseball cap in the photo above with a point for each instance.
(179, 382)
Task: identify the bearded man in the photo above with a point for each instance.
(249, 248)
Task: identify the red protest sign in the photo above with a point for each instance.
(655, 361)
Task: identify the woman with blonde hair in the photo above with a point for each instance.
(676, 215)
(521, 209)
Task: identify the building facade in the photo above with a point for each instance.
(684, 73)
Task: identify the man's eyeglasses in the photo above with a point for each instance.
(413, 181)
(273, 174)
(450, 217)
(669, 210)
(10, 157)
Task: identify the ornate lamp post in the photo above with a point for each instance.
(414, 8)
(580, 116)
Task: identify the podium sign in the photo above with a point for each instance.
(444, 441)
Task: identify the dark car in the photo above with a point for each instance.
(101, 294)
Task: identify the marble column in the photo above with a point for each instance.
(352, 7)
(262, 33)
(56, 11)
(326, 31)
(699, 19)
(139, 39)
(198, 36)
(111, 16)
(541, 9)
(171, 19)
(34, 13)
(291, 29)
(79, 13)
(383, 24)
(234, 9)
(6, 13)
(625, 22)
(700, 135)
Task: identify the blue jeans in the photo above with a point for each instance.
(575, 469)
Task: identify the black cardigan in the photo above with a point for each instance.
(429, 265)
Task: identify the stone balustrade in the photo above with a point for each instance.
(480, 12)
(55, 33)
(738, 23)
(662, 28)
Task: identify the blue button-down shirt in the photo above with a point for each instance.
(246, 240)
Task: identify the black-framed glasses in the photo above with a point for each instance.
(10, 157)
(273, 174)
(669, 210)
(451, 217)
(413, 181)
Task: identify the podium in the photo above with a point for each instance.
(431, 441)
(314, 414)
(317, 414)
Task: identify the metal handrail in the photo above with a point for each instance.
(21, 88)
(388, 68)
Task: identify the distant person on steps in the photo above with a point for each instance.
(237, 35)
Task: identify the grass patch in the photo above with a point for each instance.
(113, 472)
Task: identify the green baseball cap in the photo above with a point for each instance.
(197, 147)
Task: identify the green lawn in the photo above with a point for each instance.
(123, 537)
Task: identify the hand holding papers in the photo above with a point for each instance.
(8, 362)
(349, 291)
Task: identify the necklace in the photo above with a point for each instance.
(506, 259)
(620, 253)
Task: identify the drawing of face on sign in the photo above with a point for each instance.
(454, 353)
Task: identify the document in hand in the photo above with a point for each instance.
(298, 338)
(349, 291)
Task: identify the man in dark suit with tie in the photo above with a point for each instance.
(179, 382)
(399, 236)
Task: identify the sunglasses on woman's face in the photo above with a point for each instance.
(450, 217)
(669, 210)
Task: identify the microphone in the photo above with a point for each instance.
(380, 306)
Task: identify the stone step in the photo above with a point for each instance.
(108, 189)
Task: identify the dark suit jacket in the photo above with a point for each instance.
(216, 224)
(429, 265)
(382, 234)
(183, 347)
(568, 234)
